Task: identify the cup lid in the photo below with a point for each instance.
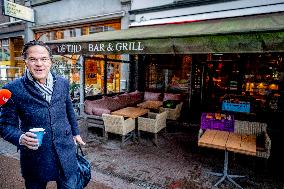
(37, 129)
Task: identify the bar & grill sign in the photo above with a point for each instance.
(99, 47)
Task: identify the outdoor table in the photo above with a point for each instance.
(132, 112)
(151, 104)
(228, 141)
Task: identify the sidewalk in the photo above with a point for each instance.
(176, 163)
(10, 177)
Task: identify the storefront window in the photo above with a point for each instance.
(96, 29)
(168, 73)
(51, 35)
(85, 30)
(93, 77)
(249, 82)
(4, 52)
(79, 30)
(68, 66)
(74, 32)
(113, 77)
(117, 76)
(59, 35)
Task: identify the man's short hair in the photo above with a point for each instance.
(34, 43)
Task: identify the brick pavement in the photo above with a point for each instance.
(176, 163)
(9, 153)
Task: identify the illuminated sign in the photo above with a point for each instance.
(18, 11)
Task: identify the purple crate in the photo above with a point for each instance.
(209, 121)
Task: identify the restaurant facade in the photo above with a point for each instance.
(219, 56)
(225, 65)
(207, 61)
(235, 55)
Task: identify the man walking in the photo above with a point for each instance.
(41, 100)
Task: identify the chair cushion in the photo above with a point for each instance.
(171, 96)
(152, 96)
(135, 97)
(88, 105)
(170, 104)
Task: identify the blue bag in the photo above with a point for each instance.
(84, 171)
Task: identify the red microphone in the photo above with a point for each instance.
(5, 95)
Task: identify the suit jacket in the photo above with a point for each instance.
(26, 109)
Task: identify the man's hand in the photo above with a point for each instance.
(29, 140)
(78, 139)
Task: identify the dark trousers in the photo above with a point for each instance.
(62, 183)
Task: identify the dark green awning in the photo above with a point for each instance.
(258, 33)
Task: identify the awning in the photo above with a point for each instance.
(259, 33)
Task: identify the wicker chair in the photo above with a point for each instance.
(173, 114)
(153, 123)
(118, 125)
(260, 130)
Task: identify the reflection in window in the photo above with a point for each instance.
(168, 73)
(117, 76)
(96, 29)
(59, 35)
(72, 32)
(76, 31)
(85, 30)
(113, 77)
(51, 35)
(4, 52)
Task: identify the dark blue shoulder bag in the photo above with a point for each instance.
(84, 171)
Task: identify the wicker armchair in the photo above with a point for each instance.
(117, 125)
(153, 123)
(260, 130)
(173, 114)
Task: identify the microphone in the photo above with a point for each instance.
(5, 95)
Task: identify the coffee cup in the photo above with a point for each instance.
(39, 134)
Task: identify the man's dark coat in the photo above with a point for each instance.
(27, 109)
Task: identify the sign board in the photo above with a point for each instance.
(98, 47)
(18, 11)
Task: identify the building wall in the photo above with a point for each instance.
(186, 11)
(73, 12)
(68, 10)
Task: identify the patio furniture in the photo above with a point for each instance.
(132, 112)
(153, 123)
(118, 125)
(228, 141)
(93, 121)
(173, 114)
(106, 104)
(263, 145)
(151, 104)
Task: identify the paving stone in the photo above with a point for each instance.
(176, 163)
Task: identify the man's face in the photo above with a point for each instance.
(38, 62)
